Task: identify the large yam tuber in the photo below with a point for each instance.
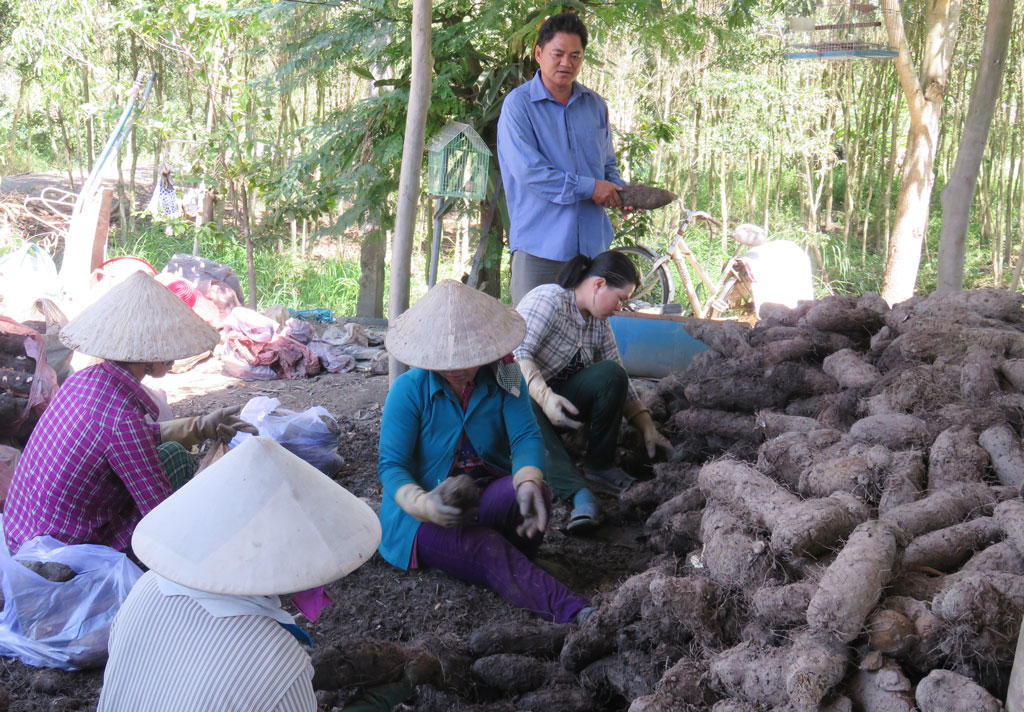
(773, 424)
(980, 608)
(784, 606)
(904, 480)
(1013, 371)
(723, 423)
(896, 431)
(852, 585)
(947, 691)
(850, 370)
(539, 639)
(511, 674)
(734, 557)
(1001, 556)
(675, 525)
(816, 665)
(956, 457)
(645, 197)
(946, 549)
(754, 496)
(861, 471)
(842, 314)
(814, 525)
(978, 374)
(886, 689)
(726, 338)
(1010, 517)
(786, 456)
(753, 673)
(680, 689)
(989, 302)
(1003, 446)
(942, 509)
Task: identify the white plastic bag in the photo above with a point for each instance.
(63, 625)
(311, 434)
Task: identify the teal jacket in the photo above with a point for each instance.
(419, 433)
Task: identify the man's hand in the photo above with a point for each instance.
(606, 194)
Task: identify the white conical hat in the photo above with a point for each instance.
(455, 326)
(259, 521)
(139, 321)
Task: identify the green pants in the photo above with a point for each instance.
(177, 463)
(599, 393)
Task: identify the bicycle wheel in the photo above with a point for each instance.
(656, 285)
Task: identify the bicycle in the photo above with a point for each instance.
(657, 286)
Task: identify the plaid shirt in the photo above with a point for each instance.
(556, 330)
(90, 469)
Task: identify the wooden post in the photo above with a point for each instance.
(412, 161)
(85, 247)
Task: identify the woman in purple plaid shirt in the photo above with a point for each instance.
(97, 460)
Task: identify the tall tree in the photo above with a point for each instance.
(958, 194)
(925, 92)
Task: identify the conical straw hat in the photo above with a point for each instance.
(139, 321)
(454, 326)
(259, 521)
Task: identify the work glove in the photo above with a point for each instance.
(221, 424)
(428, 506)
(528, 483)
(655, 441)
(557, 409)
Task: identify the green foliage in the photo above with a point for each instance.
(280, 278)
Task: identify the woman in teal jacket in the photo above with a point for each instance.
(465, 410)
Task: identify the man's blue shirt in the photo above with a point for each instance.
(550, 156)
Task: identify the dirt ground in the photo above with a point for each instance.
(377, 601)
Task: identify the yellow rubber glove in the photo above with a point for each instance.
(221, 424)
(427, 506)
(652, 438)
(530, 497)
(557, 409)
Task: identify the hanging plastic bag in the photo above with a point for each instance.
(311, 434)
(26, 274)
(66, 624)
(43, 379)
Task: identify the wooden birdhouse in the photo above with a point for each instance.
(457, 163)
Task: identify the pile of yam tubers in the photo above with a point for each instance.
(844, 529)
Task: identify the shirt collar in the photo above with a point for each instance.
(123, 376)
(539, 92)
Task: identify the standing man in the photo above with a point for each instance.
(557, 161)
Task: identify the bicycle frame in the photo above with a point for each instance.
(680, 251)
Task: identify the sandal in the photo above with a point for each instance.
(611, 477)
(584, 517)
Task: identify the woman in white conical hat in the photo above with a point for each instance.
(204, 628)
(97, 461)
(463, 409)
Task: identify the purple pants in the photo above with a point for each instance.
(490, 553)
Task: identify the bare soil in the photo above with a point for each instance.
(376, 602)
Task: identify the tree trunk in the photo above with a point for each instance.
(924, 98)
(90, 145)
(412, 162)
(372, 253)
(959, 192)
(22, 90)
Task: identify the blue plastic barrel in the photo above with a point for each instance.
(653, 345)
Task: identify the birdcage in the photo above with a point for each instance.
(457, 163)
(841, 30)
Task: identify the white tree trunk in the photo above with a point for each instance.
(958, 194)
(924, 98)
(412, 162)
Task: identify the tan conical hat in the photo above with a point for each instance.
(139, 321)
(454, 326)
(259, 521)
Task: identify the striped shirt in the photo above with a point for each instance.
(167, 654)
(90, 469)
(556, 331)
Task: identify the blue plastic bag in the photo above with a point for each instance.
(63, 625)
